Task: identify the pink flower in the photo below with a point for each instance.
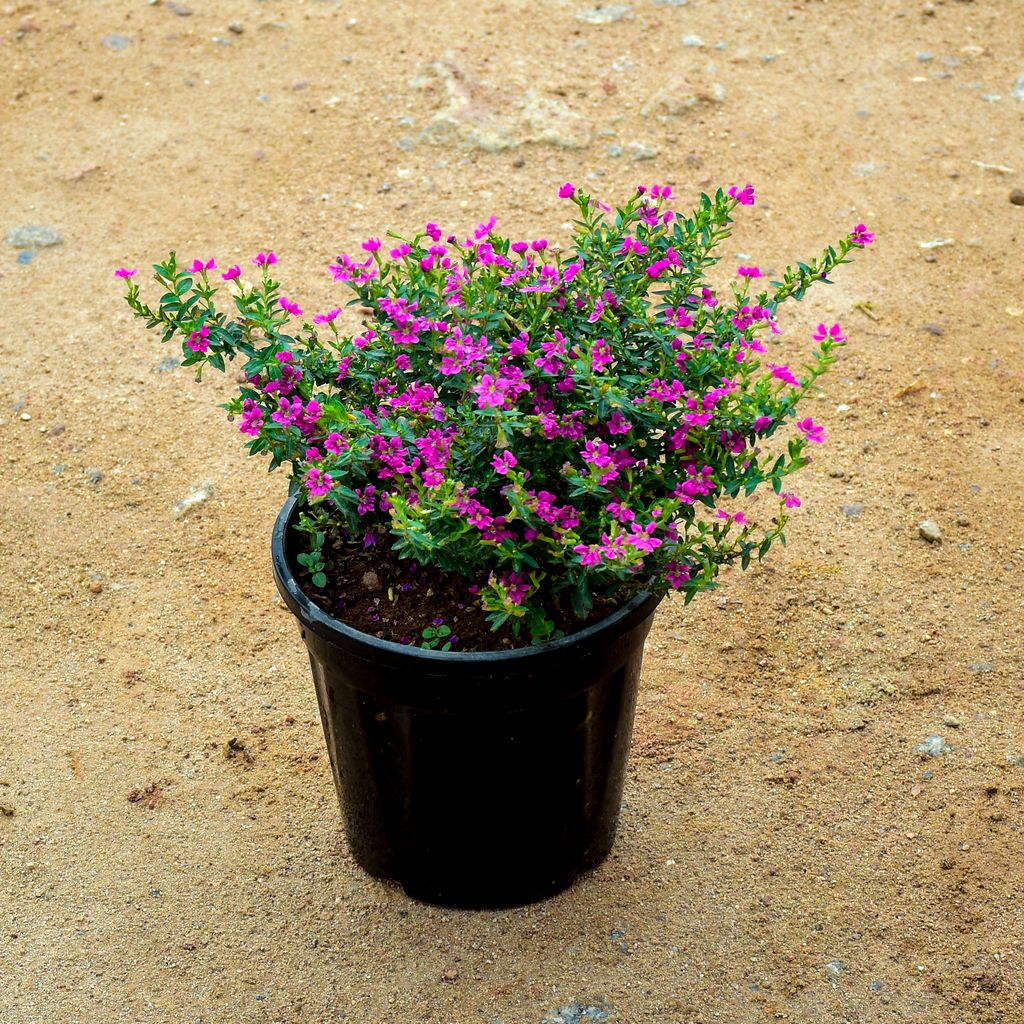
(264, 259)
(232, 273)
(199, 341)
(812, 431)
(760, 423)
(783, 373)
(403, 250)
(520, 247)
(318, 482)
(490, 391)
(125, 272)
(539, 245)
(326, 318)
(744, 196)
(567, 191)
(833, 333)
(198, 266)
(503, 461)
(677, 574)
(371, 244)
(252, 418)
(861, 236)
(289, 307)
(335, 443)
(618, 424)
(791, 500)
(749, 271)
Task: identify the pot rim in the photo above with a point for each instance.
(313, 617)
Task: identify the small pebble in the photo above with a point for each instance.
(116, 42)
(1017, 197)
(96, 587)
(952, 721)
(929, 530)
(980, 666)
(692, 41)
(932, 746)
(605, 15)
(853, 509)
(197, 497)
(236, 27)
(94, 476)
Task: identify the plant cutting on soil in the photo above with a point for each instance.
(526, 434)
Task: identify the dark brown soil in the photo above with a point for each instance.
(374, 591)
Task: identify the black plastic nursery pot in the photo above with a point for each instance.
(474, 779)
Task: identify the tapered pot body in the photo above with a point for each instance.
(474, 779)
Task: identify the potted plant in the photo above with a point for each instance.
(495, 477)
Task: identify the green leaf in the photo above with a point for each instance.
(319, 579)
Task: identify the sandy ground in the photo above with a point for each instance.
(785, 854)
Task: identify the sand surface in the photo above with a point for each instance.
(785, 853)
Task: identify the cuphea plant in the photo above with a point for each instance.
(553, 424)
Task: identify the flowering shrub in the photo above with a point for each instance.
(556, 425)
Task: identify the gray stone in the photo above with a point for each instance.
(933, 746)
(198, 497)
(641, 151)
(929, 530)
(605, 15)
(167, 364)
(26, 256)
(835, 968)
(1018, 89)
(117, 42)
(925, 55)
(853, 509)
(33, 236)
(981, 666)
(577, 1013)
(614, 150)
(952, 721)
(94, 476)
(692, 41)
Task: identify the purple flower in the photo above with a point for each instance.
(567, 191)
(318, 482)
(289, 307)
(812, 431)
(539, 245)
(833, 333)
(791, 500)
(371, 244)
(744, 196)
(503, 461)
(199, 341)
(232, 273)
(861, 236)
(198, 266)
(326, 318)
(749, 272)
(264, 259)
(125, 272)
(783, 373)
